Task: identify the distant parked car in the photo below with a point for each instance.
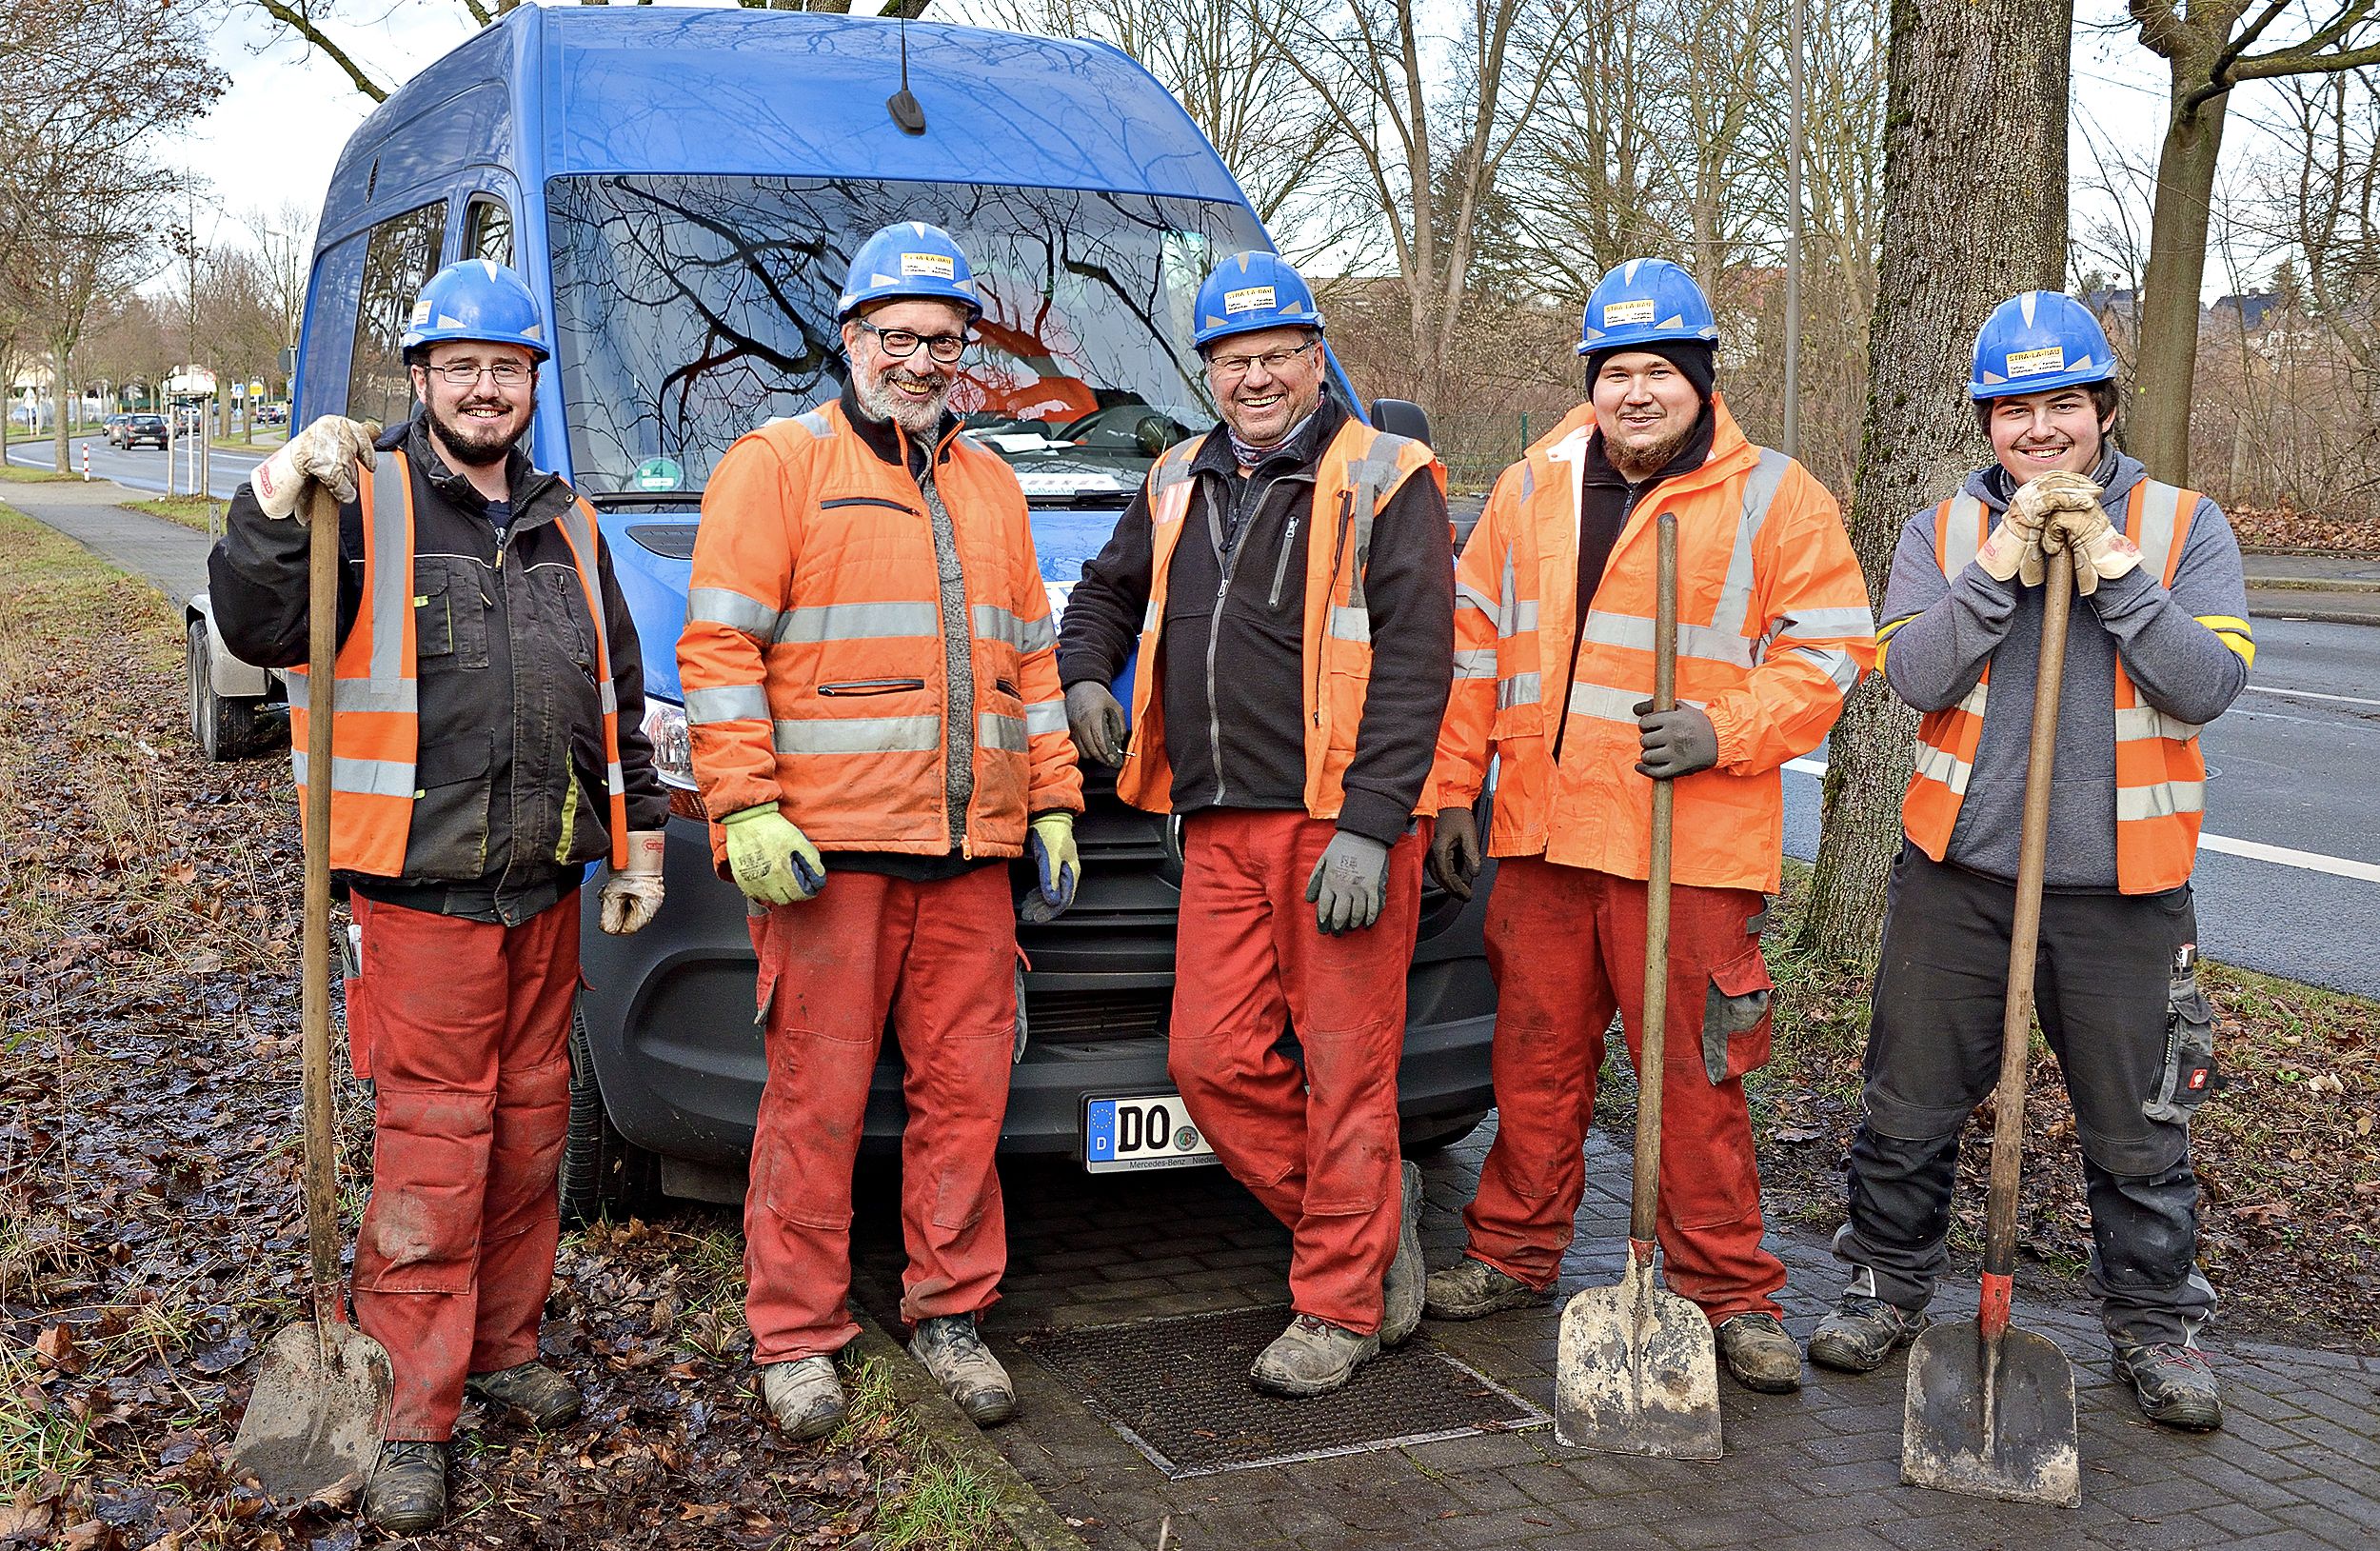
(140, 429)
(112, 428)
(273, 414)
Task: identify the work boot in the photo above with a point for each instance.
(1472, 1289)
(804, 1397)
(949, 1347)
(1311, 1356)
(408, 1495)
(2173, 1383)
(531, 1391)
(1759, 1354)
(1862, 1332)
(1400, 1293)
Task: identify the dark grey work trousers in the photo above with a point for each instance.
(2108, 1001)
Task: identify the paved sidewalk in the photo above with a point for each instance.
(2297, 1465)
(168, 556)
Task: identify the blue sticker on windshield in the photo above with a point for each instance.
(659, 474)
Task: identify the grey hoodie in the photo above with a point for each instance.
(1954, 625)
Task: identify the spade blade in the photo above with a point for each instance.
(1636, 1372)
(315, 1420)
(1992, 1422)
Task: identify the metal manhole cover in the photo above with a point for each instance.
(1177, 1390)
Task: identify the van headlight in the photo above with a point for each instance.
(673, 752)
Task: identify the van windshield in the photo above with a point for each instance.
(690, 309)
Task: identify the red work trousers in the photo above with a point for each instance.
(466, 1026)
(941, 960)
(1567, 945)
(1314, 1140)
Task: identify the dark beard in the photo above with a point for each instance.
(464, 443)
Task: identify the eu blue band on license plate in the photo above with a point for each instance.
(1141, 1132)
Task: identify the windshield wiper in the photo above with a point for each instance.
(604, 500)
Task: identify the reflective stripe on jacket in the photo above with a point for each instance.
(375, 725)
(1354, 479)
(1773, 630)
(2160, 773)
(813, 659)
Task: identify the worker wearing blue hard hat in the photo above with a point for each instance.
(487, 743)
(2158, 644)
(876, 725)
(1287, 582)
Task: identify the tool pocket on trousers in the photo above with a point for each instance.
(2189, 1075)
(1735, 1016)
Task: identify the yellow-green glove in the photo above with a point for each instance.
(772, 860)
(1055, 863)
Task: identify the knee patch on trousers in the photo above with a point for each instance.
(422, 1227)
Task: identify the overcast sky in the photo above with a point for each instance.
(277, 133)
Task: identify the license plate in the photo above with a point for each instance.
(1146, 1131)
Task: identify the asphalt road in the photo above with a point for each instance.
(143, 469)
(2289, 869)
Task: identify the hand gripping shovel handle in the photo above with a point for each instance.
(2023, 940)
(322, 1190)
(1643, 1193)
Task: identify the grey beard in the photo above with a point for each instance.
(917, 419)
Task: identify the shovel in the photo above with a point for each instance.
(313, 1424)
(1990, 1406)
(1635, 1371)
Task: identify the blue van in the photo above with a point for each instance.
(684, 188)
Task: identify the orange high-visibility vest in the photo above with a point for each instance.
(1360, 472)
(375, 723)
(1773, 630)
(2160, 774)
(816, 670)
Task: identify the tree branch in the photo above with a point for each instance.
(296, 18)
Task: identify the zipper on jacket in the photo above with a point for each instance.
(1227, 566)
(867, 501)
(1339, 552)
(1578, 625)
(870, 686)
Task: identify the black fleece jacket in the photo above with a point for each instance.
(1234, 668)
(509, 714)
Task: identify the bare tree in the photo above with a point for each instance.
(80, 264)
(1958, 162)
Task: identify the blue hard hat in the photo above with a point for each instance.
(1253, 290)
(2035, 341)
(1645, 302)
(910, 260)
(480, 300)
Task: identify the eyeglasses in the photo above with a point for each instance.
(1232, 367)
(467, 373)
(900, 344)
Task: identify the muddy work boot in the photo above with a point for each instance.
(2173, 1383)
(1862, 1332)
(804, 1397)
(1759, 1354)
(408, 1495)
(949, 1347)
(1311, 1356)
(1472, 1289)
(1400, 1293)
(529, 1390)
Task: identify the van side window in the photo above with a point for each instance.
(487, 230)
(398, 258)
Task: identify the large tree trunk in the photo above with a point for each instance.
(1974, 210)
(2157, 429)
(61, 384)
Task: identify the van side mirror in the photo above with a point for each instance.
(1399, 418)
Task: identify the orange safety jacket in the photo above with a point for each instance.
(375, 723)
(814, 658)
(1354, 480)
(2160, 773)
(1773, 630)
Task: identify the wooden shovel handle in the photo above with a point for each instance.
(321, 1186)
(2024, 938)
(1644, 1191)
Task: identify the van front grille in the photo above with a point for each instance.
(1059, 1016)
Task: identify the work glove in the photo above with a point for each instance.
(2101, 554)
(324, 453)
(1350, 884)
(2013, 552)
(632, 894)
(1050, 842)
(772, 860)
(1098, 722)
(1676, 743)
(1454, 859)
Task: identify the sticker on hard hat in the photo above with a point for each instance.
(1639, 310)
(1249, 299)
(2037, 363)
(937, 265)
(421, 313)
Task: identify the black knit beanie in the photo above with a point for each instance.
(1695, 358)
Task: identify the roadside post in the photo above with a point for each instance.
(87, 462)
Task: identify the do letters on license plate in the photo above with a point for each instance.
(1146, 1131)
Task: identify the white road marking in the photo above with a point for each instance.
(2311, 694)
(2254, 850)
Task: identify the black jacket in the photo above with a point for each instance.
(1234, 640)
(509, 713)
